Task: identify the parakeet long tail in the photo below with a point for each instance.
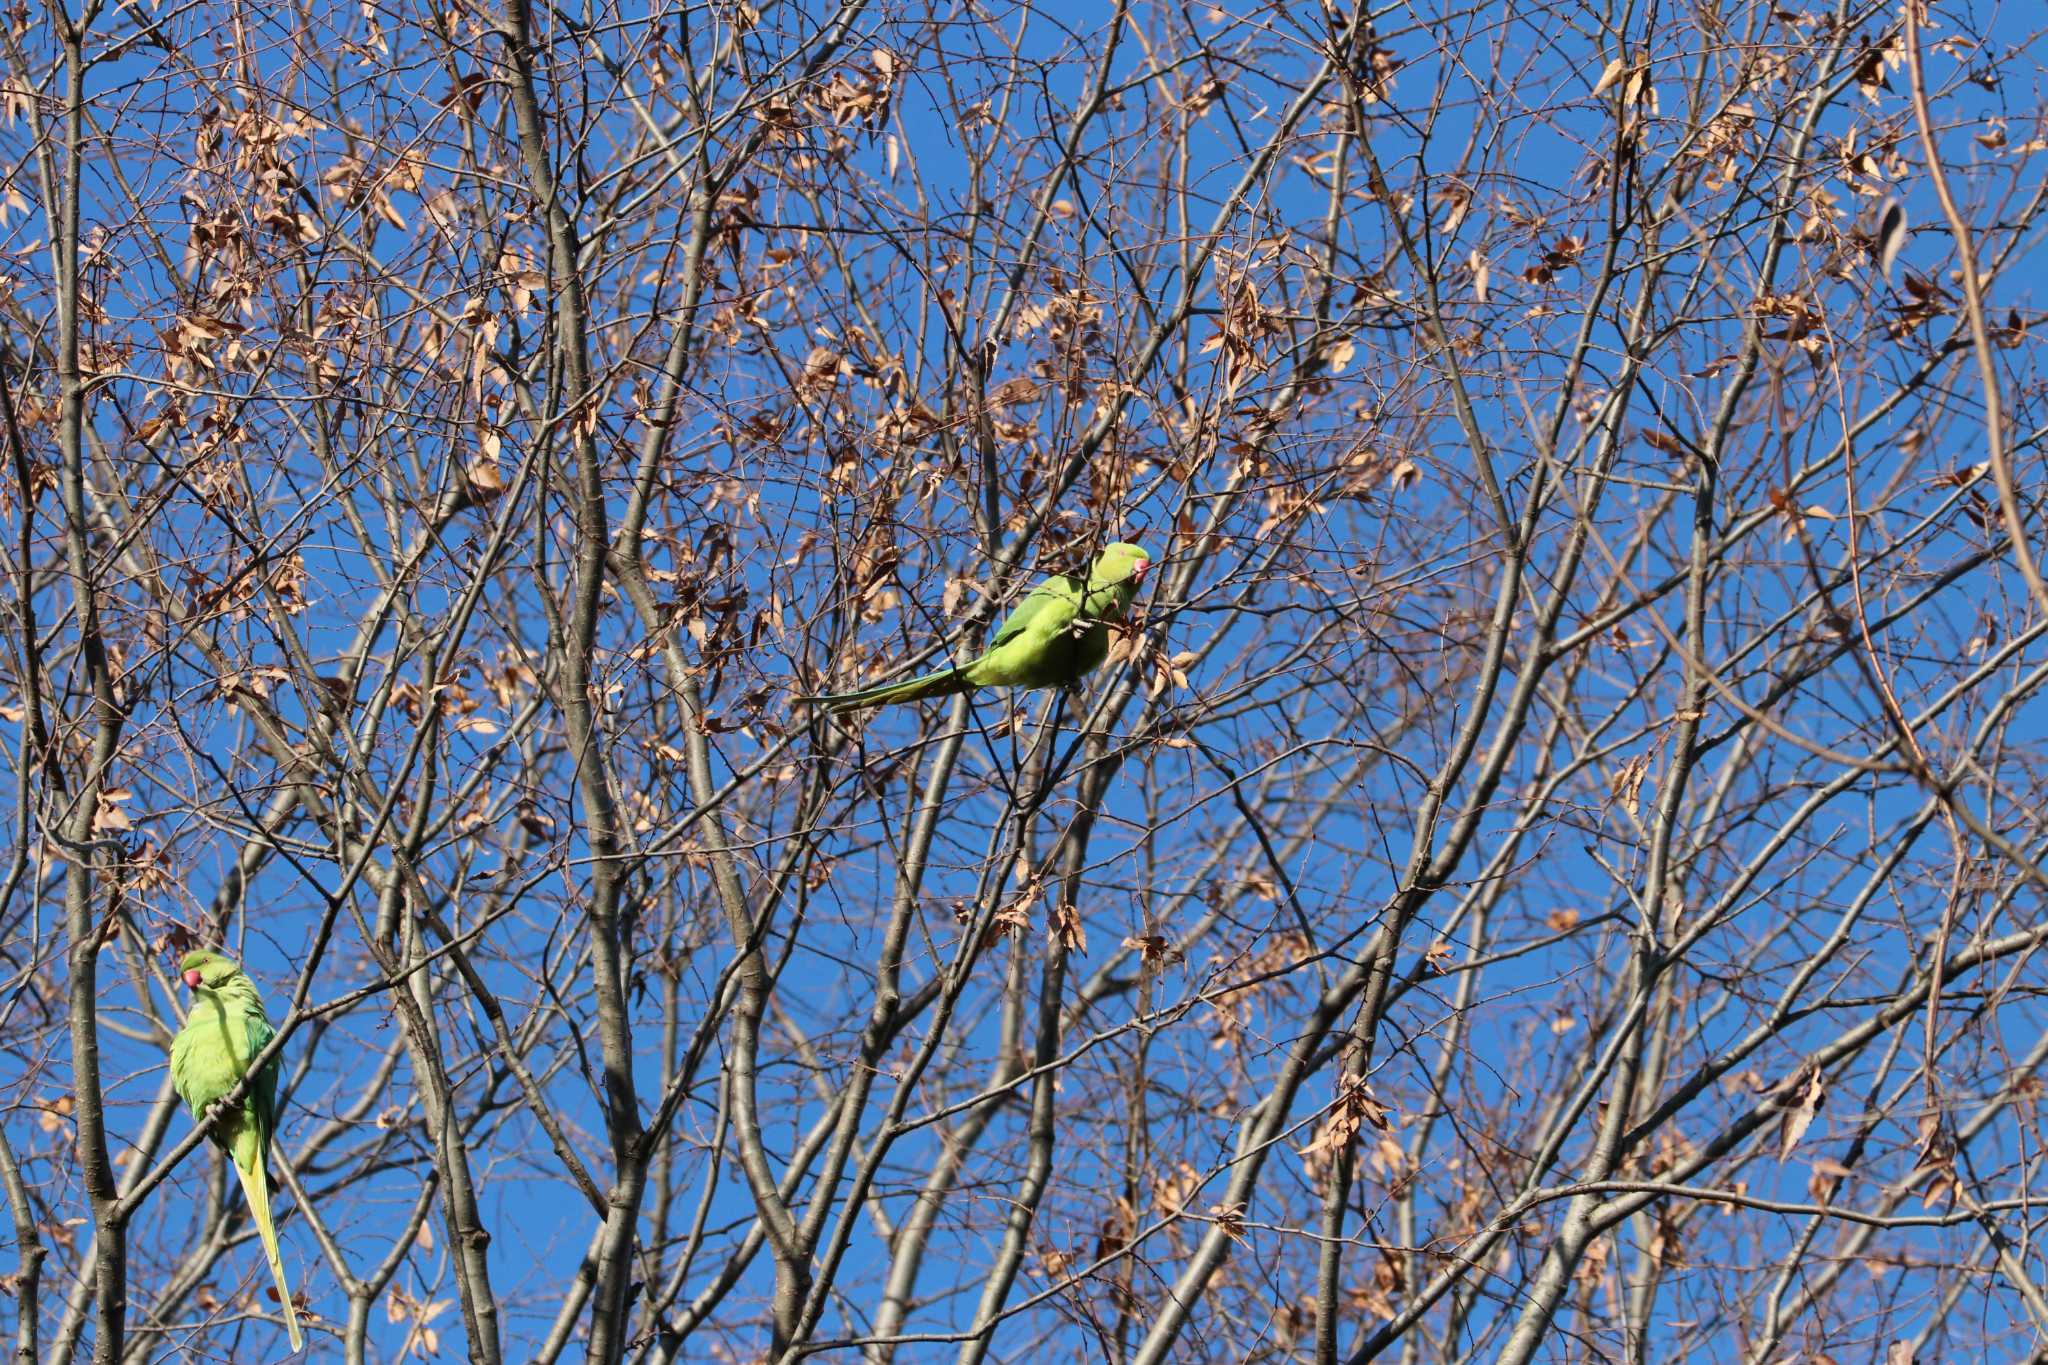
(943, 683)
(256, 1187)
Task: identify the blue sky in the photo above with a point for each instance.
(1421, 552)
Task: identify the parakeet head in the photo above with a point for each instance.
(202, 968)
(1121, 561)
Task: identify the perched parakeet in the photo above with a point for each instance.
(222, 1035)
(1055, 636)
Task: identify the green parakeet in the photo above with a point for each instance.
(1054, 637)
(222, 1035)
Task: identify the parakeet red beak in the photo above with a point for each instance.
(1138, 571)
(192, 978)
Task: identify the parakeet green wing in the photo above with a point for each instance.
(1061, 594)
(262, 1100)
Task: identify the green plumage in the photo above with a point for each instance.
(222, 1035)
(1056, 636)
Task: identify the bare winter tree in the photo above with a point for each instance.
(1552, 869)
